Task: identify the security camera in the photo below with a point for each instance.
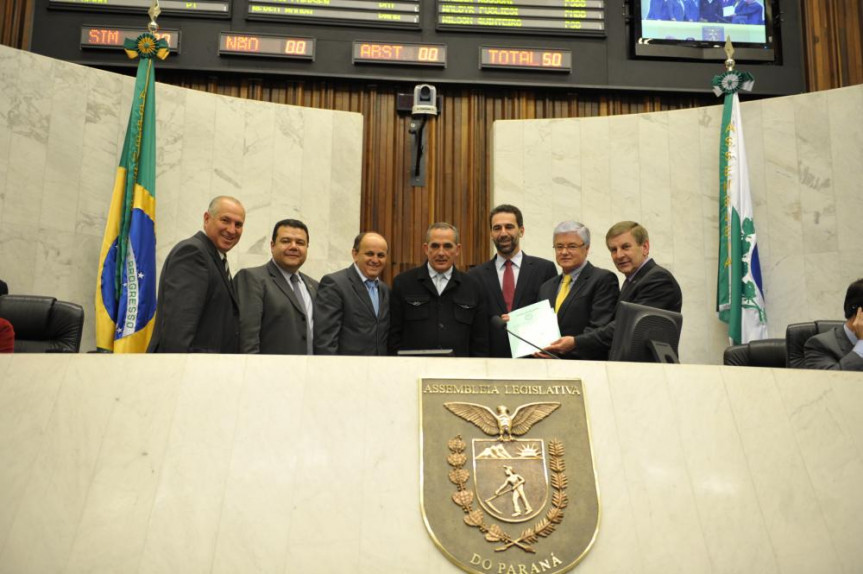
(425, 100)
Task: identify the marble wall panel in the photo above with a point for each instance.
(662, 169)
(59, 156)
(220, 464)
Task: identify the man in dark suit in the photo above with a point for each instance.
(840, 348)
(352, 309)
(436, 306)
(512, 278)
(197, 310)
(276, 299)
(583, 296)
(646, 284)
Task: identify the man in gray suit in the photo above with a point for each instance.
(840, 348)
(352, 314)
(276, 300)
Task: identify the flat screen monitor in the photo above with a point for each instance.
(640, 332)
(697, 29)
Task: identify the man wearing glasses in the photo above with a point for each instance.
(646, 284)
(437, 307)
(583, 296)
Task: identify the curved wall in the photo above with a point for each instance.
(662, 170)
(61, 133)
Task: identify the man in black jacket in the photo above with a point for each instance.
(436, 306)
(512, 278)
(646, 284)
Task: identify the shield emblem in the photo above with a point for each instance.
(511, 481)
(507, 478)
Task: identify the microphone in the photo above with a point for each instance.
(499, 323)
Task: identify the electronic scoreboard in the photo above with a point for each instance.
(583, 44)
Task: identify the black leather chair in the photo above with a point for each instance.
(796, 335)
(764, 353)
(43, 324)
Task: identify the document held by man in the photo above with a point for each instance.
(536, 323)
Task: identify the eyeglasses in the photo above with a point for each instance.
(567, 247)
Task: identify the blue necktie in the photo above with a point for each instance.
(372, 286)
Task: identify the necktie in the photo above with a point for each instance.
(372, 286)
(298, 291)
(564, 291)
(227, 269)
(440, 282)
(508, 285)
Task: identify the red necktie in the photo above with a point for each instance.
(508, 285)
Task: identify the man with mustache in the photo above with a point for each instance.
(437, 307)
(646, 284)
(197, 310)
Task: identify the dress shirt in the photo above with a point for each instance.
(857, 343)
(500, 264)
(440, 280)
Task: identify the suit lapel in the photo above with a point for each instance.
(629, 286)
(524, 275)
(313, 292)
(490, 268)
(220, 265)
(361, 291)
(576, 286)
(285, 287)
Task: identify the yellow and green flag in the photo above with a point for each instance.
(126, 286)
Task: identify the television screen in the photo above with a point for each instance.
(697, 29)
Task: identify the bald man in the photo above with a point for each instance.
(197, 310)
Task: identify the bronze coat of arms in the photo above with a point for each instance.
(507, 481)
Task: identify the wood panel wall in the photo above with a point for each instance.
(458, 186)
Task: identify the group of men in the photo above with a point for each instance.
(277, 309)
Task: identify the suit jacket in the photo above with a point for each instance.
(653, 286)
(590, 304)
(831, 350)
(197, 311)
(272, 318)
(533, 273)
(345, 321)
(421, 319)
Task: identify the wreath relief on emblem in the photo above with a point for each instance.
(512, 477)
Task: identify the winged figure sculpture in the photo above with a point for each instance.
(502, 423)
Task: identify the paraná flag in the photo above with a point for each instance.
(739, 291)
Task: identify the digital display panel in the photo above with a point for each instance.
(404, 14)
(525, 59)
(389, 53)
(114, 36)
(211, 8)
(234, 43)
(564, 17)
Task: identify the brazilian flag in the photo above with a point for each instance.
(126, 289)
